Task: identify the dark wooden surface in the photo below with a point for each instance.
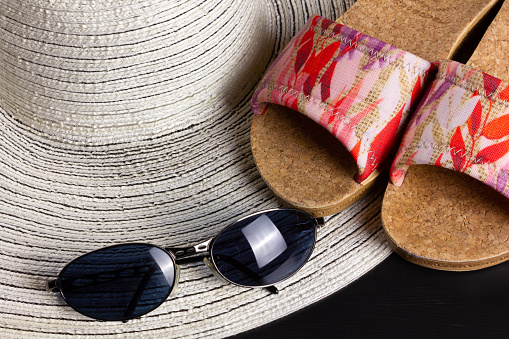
(398, 299)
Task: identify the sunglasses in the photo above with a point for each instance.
(123, 282)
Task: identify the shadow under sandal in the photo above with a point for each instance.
(360, 89)
(455, 215)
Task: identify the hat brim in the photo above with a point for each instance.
(175, 179)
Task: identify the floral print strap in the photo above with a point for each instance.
(360, 89)
(462, 124)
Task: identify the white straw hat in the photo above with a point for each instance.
(128, 121)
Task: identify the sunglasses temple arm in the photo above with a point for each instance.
(139, 291)
(272, 289)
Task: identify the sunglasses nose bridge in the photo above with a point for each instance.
(192, 251)
(203, 247)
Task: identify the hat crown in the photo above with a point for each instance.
(112, 71)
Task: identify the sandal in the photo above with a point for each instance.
(359, 88)
(455, 215)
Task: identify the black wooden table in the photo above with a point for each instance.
(398, 299)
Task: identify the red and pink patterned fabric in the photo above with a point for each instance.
(462, 124)
(360, 89)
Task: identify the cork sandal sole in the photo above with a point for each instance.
(309, 169)
(446, 220)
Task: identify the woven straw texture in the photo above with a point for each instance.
(128, 121)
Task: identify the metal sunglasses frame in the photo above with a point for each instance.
(203, 250)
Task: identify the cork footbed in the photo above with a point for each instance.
(447, 220)
(305, 166)
(290, 154)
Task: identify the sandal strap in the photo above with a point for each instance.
(462, 124)
(359, 88)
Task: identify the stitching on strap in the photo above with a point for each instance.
(445, 148)
(470, 87)
(328, 33)
(292, 91)
(345, 41)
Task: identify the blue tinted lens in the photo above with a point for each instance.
(265, 248)
(118, 282)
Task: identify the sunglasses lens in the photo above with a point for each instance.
(118, 282)
(264, 248)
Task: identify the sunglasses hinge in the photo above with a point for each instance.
(320, 222)
(52, 285)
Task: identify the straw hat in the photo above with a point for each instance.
(128, 121)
